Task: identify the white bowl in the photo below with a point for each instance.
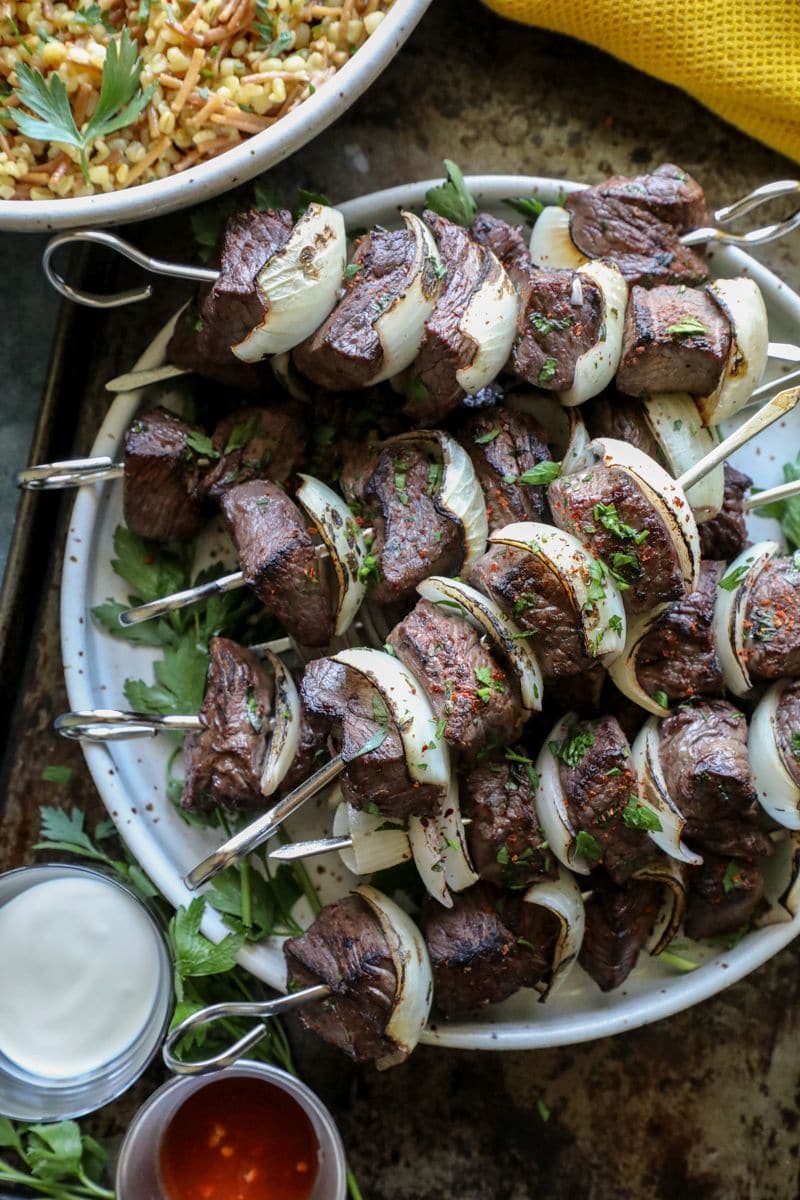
(236, 166)
(130, 776)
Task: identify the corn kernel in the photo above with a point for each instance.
(372, 21)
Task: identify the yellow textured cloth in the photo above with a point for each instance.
(741, 58)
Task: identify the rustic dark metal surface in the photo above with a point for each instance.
(705, 1105)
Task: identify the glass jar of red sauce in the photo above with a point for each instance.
(250, 1132)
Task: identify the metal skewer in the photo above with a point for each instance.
(292, 851)
(772, 411)
(259, 1010)
(783, 491)
(112, 724)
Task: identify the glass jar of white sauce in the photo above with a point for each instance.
(86, 993)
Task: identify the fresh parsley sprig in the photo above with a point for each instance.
(120, 102)
(452, 199)
(52, 1160)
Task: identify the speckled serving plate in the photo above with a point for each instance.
(130, 776)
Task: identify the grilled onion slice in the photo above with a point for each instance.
(597, 366)
(298, 286)
(285, 738)
(551, 243)
(684, 440)
(551, 804)
(596, 599)
(672, 877)
(347, 550)
(504, 636)
(490, 323)
(377, 843)
(730, 610)
(567, 435)
(412, 1001)
(562, 897)
(401, 326)
(646, 760)
(778, 793)
(624, 669)
(741, 301)
(439, 847)
(782, 880)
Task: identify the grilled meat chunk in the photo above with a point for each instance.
(788, 729)
(503, 444)
(725, 536)
(676, 339)
(232, 307)
(601, 788)
(346, 949)
(475, 698)
(506, 843)
(480, 949)
(279, 559)
(613, 415)
(557, 323)
(678, 654)
(618, 923)
(723, 895)
(356, 713)
(225, 759)
(772, 621)
(637, 223)
(185, 349)
(703, 753)
(397, 486)
(527, 590)
(346, 351)
(605, 505)
(507, 242)
(255, 443)
(160, 478)
(433, 390)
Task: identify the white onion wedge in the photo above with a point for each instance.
(782, 880)
(298, 286)
(551, 243)
(412, 1001)
(285, 738)
(439, 847)
(778, 793)
(290, 378)
(624, 670)
(741, 301)
(551, 804)
(345, 543)
(596, 599)
(427, 758)
(460, 494)
(671, 876)
(730, 610)
(597, 366)
(646, 761)
(684, 440)
(504, 636)
(401, 326)
(666, 496)
(490, 322)
(566, 433)
(561, 897)
(375, 847)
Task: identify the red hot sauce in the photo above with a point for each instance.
(239, 1139)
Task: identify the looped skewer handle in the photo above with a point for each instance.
(71, 473)
(731, 212)
(770, 412)
(112, 724)
(156, 266)
(264, 827)
(260, 1011)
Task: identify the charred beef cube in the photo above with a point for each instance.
(485, 948)
(581, 691)
(254, 443)
(676, 339)
(601, 792)
(503, 444)
(537, 600)
(346, 351)
(604, 504)
(558, 322)
(507, 242)
(433, 389)
(637, 223)
(677, 656)
(232, 306)
(346, 949)
(619, 920)
(723, 895)
(475, 699)
(185, 349)
(787, 726)
(506, 843)
(614, 415)
(279, 560)
(413, 538)
(772, 621)
(725, 536)
(703, 752)
(160, 478)
(357, 716)
(225, 759)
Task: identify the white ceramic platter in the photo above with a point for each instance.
(228, 170)
(130, 776)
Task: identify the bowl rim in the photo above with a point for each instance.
(238, 165)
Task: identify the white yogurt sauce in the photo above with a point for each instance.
(79, 976)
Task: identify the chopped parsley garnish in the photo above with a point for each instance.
(544, 324)
(615, 624)
(417, 390)
(351, 270)
(686, 327)
(731, 879)
(597, 579)
(55, 774)
(572, 750)
(541, 474)
(661, 698)
(731, 581)
(677, 425)
(525, 600)
(369, 569)
(638, 816)
(527, 763)
(547, 372)
(794, 743)
(253, 715)
(435, 473)
(241, 434)
(201, 445)
(485, 438)
(587, 846)
(608, 517)
(485, 676)
(400, 478)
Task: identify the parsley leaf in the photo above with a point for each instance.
(541, 474)
(731, 581)
(572, 750)
(192, 952)
(785, 511)
(56, 774)
(686, 327)
(638, 816)
(485, 438)
(731, 879)
(452, 199)
(587, 846)
(547, 372)
(527, 206)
